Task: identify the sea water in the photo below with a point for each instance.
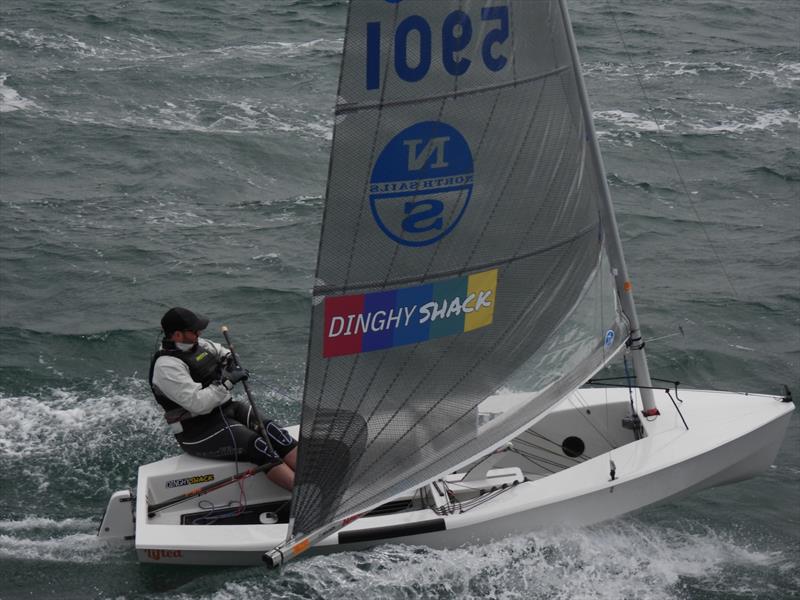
(175, 153)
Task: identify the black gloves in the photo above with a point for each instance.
(232, 375)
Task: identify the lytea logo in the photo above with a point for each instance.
(380, 320)
(191, 480)
(158, 554)
(421, 183)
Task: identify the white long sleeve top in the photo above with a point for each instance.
(171, 376)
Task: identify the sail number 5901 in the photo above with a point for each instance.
(456, 34)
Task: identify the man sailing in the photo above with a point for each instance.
(192, 379)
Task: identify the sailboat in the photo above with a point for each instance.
(470, 284)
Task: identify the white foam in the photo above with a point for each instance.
(742, 121)
(62, 421)
(10, 100)
(45, 523)
(244, 116)
(733, 120)
(77, 548)
(279, 49)
(38, 40)
(780, 75)
(627, 120)
(619, 560)
(270, 257)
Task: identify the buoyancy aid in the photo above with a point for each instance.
(204, 368)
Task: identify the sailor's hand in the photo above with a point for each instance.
(232, 376)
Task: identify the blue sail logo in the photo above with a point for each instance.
(421, 183)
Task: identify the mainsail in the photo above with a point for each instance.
(463, 243)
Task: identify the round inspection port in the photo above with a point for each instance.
(573, 446)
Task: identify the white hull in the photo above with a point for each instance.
(730, 437)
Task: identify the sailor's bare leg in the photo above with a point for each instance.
(291, 459)
(282, 475)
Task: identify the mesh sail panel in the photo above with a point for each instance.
(461, 245)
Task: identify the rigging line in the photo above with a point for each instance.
(467, 505)
(242, 495)
(601, 299)
(521, 440)
(533, 459)
(351, 107)
(660, 133)
(576, 459)
(550, 461)
(593, 426)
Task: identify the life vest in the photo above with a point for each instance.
(204, 368)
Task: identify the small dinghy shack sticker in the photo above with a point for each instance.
(380, 320)
(194, 480)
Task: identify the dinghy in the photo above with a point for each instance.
(470, 283)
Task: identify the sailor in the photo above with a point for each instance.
(192, 379)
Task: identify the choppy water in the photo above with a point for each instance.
(165, 153)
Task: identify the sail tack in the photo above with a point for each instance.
(462, 246)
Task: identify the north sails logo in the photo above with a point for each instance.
(421, 183)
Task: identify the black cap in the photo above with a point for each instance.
(182, 319)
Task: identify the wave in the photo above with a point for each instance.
(210, 117)
(726, 120)
(61, 425)
(137, 48)
(620, 560)
(782, 75)
(773, 172)
(748, 120)
(10, 100)
(74, 540)
(73, 548)
(33, 523)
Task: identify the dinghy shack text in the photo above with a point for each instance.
(380, 320)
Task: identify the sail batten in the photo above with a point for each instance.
(322, 290)
(346, 107)
(463, 248)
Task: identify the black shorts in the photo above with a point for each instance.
(228, 433)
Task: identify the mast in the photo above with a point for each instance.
(615, 254)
